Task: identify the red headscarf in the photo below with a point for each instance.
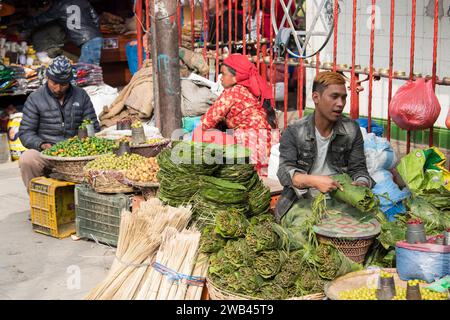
(247, 75)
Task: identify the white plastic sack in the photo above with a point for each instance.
(379, 153)
(101, 96)
(274, 162)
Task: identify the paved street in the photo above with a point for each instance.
(35, 266)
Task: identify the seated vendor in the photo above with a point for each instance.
(244, 106)
(51, 114)
(321, 145)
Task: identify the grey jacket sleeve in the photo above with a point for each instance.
(288, 158)
(89, 112)
(29, 126)
(357, 167)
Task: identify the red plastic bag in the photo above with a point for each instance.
(415, 105)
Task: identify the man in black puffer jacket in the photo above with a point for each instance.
(51, 114)
(80, 20)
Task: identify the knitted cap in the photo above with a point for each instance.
(60, 70)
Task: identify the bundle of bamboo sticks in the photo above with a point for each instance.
(154, 233)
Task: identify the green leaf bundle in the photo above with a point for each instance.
(261, 237)
(230, 224)
(269, 263)
(238, 253)
(210, 241)
(361, 198)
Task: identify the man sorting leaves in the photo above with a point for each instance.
(51, 114)
(320, 146)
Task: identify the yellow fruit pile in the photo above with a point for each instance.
(370, 294)
(144, 171)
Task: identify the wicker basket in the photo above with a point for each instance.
(215, 293)
(150, 150)
(107, 181)
(359, 279)
(355, 250)
(69, 168)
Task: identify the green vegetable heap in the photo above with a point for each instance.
(76, 147)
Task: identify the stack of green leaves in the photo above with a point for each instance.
(76, 147)
(179, 171)
(259, 198)
(222, 191)
(239, 173)
(217, 195)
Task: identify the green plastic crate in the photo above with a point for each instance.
(98, 215)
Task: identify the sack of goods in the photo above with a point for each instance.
(415, 105)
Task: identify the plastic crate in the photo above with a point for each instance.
(52, 207)
(98, 215)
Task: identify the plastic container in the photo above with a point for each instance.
(415, 233)
(90, 130)
(386, 288)
(98, 215)
(138, 135)
(82, 133)
(124, 147)
(52, 207)
(413, 292)
(424, 261)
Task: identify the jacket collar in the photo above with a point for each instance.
(338, 129)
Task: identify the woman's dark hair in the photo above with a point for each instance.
(271, 116)
(232, 71)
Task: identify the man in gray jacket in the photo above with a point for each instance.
(51, 114)
(321, 145)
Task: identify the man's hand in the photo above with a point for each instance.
(322, 183)
(325, 184)
(360, 184)
(45, 146)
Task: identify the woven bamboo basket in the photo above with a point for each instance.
(107, 181)
(150, 150)
(216, 293)
(69, 168)
(354, 249)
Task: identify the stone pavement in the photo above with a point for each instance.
(35, 266)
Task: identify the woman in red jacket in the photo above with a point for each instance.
(244, 107)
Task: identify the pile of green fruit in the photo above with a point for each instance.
(112, 162)
(76, 147)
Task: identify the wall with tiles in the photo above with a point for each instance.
(402, 44)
